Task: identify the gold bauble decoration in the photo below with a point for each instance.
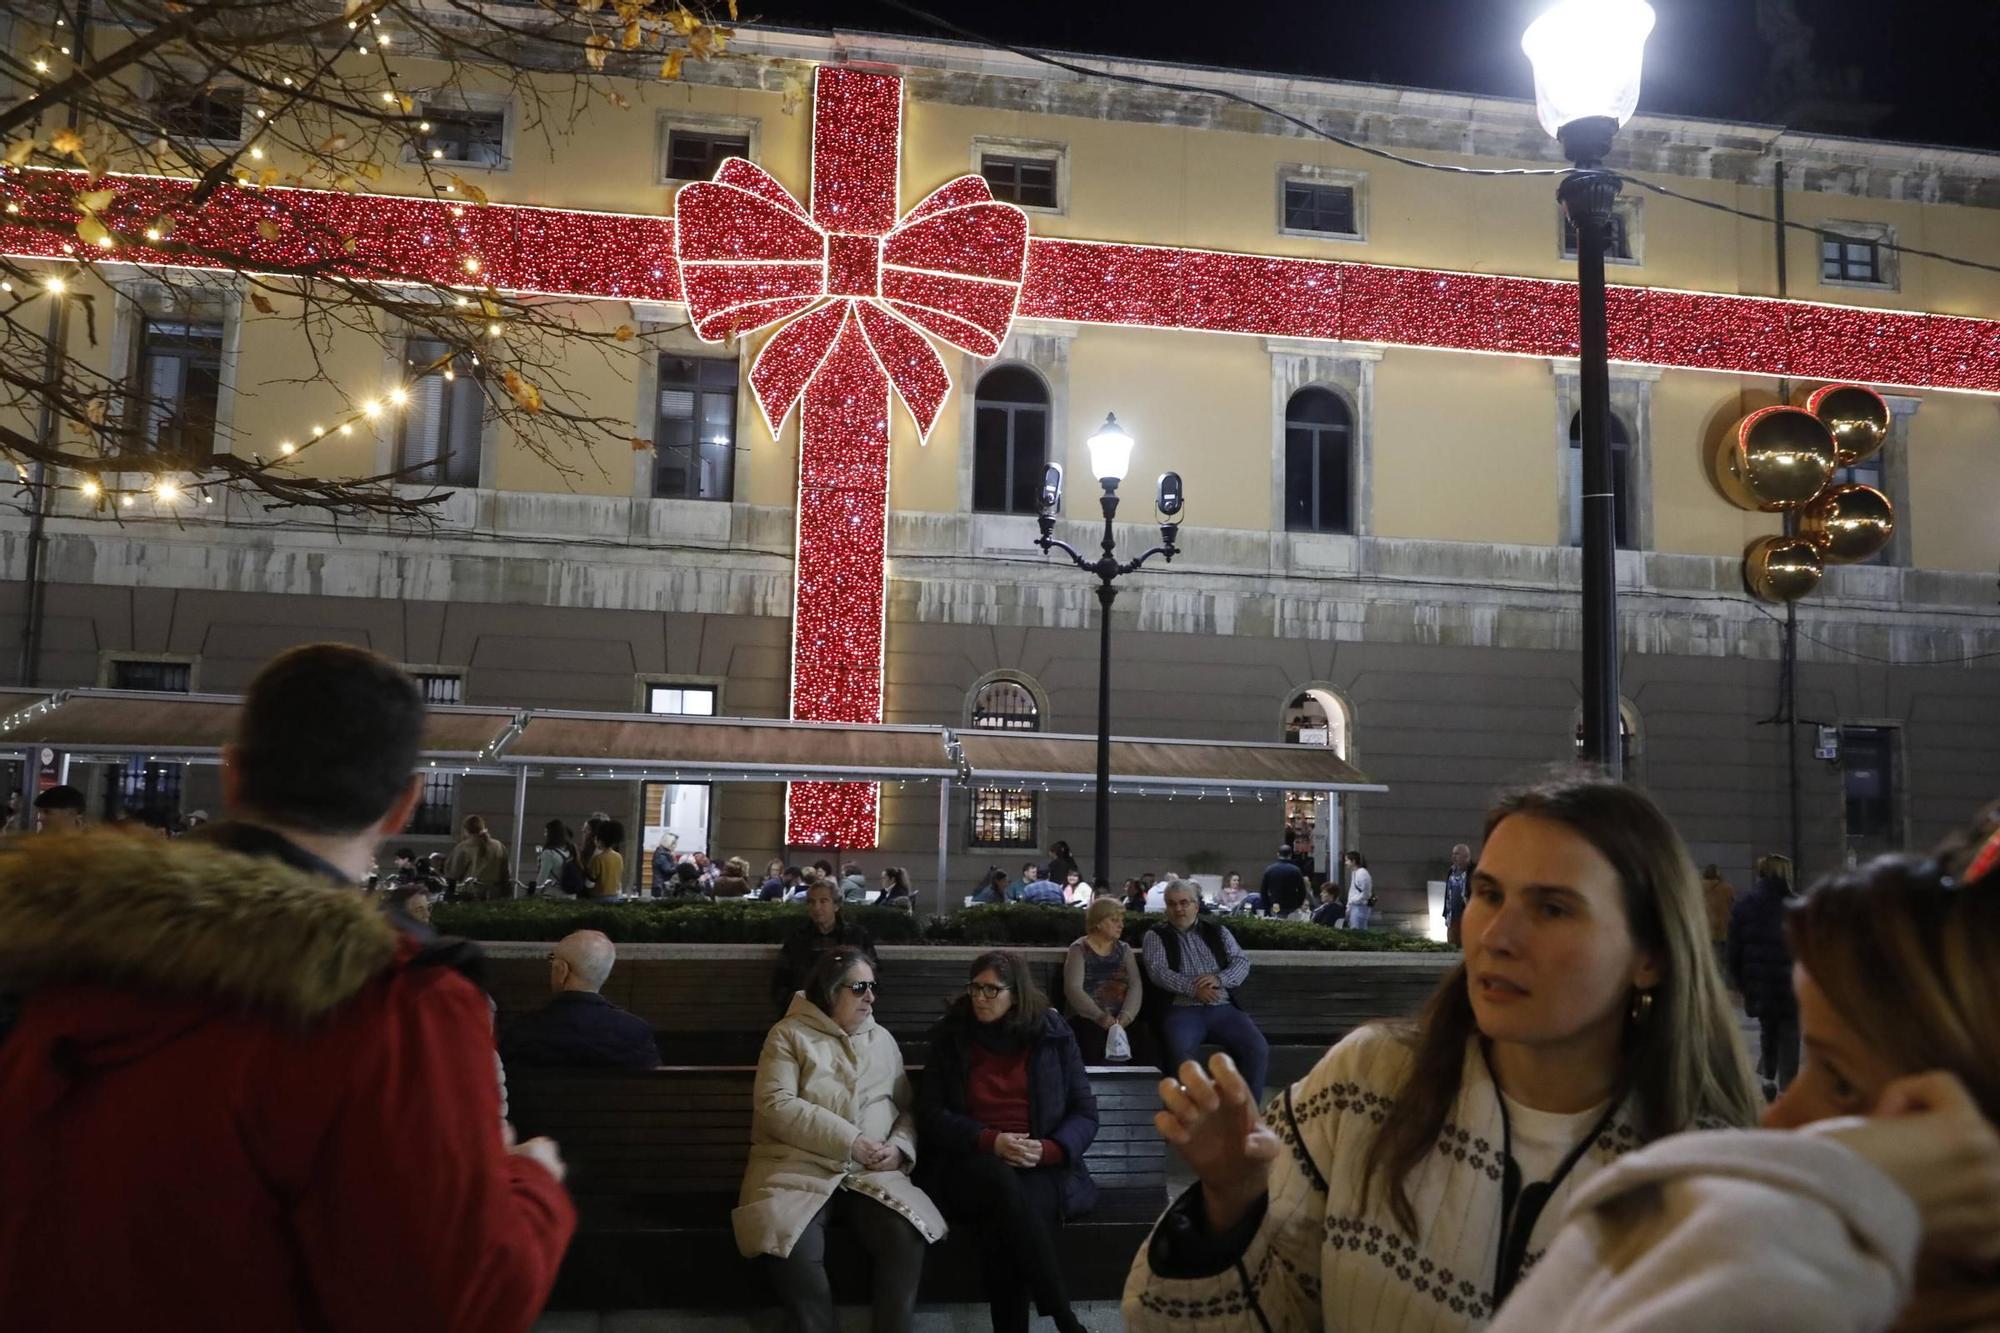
(1775, 459)
(1857, 418)
(1781, 569)
(1848, 523)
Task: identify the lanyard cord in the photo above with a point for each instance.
(1521, 1205)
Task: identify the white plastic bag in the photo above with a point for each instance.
(1117, 1046)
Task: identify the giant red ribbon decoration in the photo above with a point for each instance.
(857, 287)
(854, 289)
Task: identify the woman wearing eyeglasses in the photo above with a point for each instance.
(1005, 1115)
(833, 1138)
(1410, 1179)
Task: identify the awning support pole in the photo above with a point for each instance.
(520, 817)
(944, 838)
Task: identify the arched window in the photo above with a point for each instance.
(1319, 471)
(1628, 738)
(1621, 482)
(1010, 441)
(1004, 816)
(1312, 818)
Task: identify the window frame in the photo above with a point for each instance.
(463, 103)
(1627, 212)
(700, 389)
(1347, 431)
(749, 128)
(1628, 496)
(1878, 235)
(1355, 182)
(1012, 409)
(160, 86)
(1022, 802)
(108, 663)
(189, 355)
(1027, 150)
(1897, 798)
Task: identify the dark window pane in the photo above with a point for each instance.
(442, 424)
(1333, 513)
(1005, 705)
(1620, 244)
(1318, 480)
(695, 434)
(1299, 481)
(694, 154)
(1013, 384)
(201, 113)
(1003, 817)
(1868, 763)
(1318, 407)
(989, 460)
(1030, 455)
(171, 677)
(1028, 181)
(460, 135)
(1625, 534)
(432, 817)
(180, 380)
(145, 791)
(1312, 206)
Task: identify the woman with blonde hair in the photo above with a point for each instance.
(1101, 981)
(1849, 1226)
(1406, 1181)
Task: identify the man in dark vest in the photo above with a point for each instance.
(1198, 965)
(1284, 888)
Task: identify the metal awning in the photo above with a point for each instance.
(1069, 763)
(193, 728)
(729, 749)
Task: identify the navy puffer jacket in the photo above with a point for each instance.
(1760, 962)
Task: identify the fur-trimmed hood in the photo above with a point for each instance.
(187, 917)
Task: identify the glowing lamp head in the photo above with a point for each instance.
(91, 490)
(166, 490)
(55, 284)
(1110, 451)
(398, 396)
(1587, 56)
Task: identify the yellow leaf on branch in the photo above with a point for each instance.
(624, 333)
(18, 153)
(619, 100)
(268, 176)
(95, 201)
(522, 391)
(596, 49)
(268, 229)
(670, 68)
(629, 39)
(370, 171)
(732, 11)
(682, 21)
(68, 143)
(262, 304)
(640, 446)
(468, 189)
(92, 232)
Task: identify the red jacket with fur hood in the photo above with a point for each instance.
(237, 1098)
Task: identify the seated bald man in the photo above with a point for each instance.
(579, 1028)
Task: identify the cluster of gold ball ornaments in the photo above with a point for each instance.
(1783, 459)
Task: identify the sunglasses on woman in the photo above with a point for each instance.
(985, 990)
(858, 987)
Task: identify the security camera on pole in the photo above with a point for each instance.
(1110, 456)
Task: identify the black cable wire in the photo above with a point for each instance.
(1871, 657)
(1140, 80)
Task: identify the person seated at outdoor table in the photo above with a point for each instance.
(578, 1028)
(896, 890)
(1004, 1117)
(1199, 964)
(832, 1139)
(1061, 862)
(1332, 911)
(1847, 1224)
(853, 883)
(772, 887)
(1135, 895)
(1101, 980)
(1233, 893)
(824, 928)
(1018, 891)
(1076, 892)
(685, 882)
(1043, 893)
(994, 889)
(605, 870)
(734, 881)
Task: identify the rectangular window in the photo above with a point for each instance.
(694, 445)
(1010, 450)
(694, 155)
(1319, 207)
(464, 136)
(1620, 249)
(681, 700)
(1869, 783)
(1003, 817)
(1027, 181)
(186, 112)
(433, 815)
(1849, 259)
(1621, 460)
(167, 677)
(142, 790)
(440, 434)
(440, 689)
(180, 383)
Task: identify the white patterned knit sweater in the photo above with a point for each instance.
(1319, 1261)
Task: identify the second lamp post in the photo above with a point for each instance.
(1110, 457)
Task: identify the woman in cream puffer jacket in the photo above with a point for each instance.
(834, 1139)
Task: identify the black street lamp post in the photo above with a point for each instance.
(1110, 453)
(1587, 56)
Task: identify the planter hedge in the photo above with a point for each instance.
(697, 922)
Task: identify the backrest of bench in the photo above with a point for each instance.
(687, 1131)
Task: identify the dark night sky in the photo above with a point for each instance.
(1923, 65)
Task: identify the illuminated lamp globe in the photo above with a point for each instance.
(1110, 451)
(1587, 56)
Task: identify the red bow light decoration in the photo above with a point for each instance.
(855, 287)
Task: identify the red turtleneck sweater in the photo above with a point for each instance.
(996, 1095)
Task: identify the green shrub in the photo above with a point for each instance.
(691, 921)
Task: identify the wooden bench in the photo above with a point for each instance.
(715, 1011)
(655, 1160)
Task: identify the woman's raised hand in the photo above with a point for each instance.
(1211, 1120)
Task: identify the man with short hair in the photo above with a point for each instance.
(59, 810)
(824, 928)
(1457, 892)
(478, 865)
(578, 1027)
(1043, 892)
(1284, 888)
(1199, 965)
(222, 1034)
(1018, 890)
